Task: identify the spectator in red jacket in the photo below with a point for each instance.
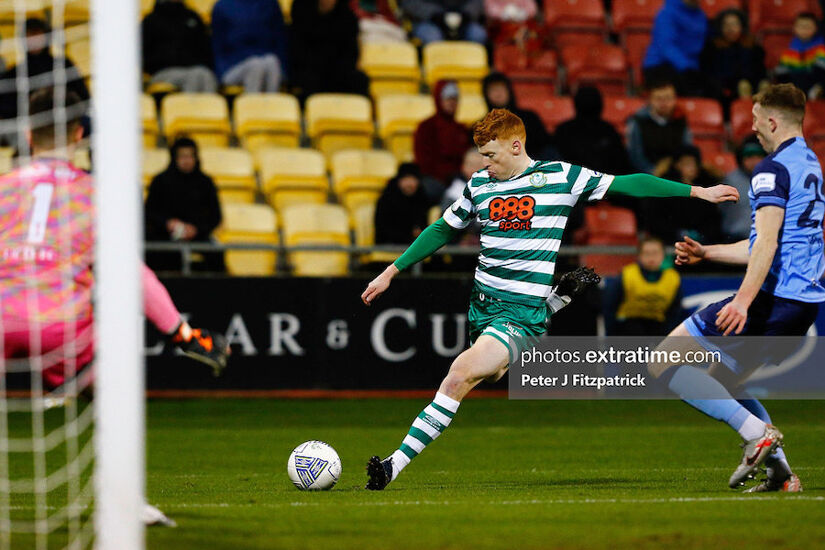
(441, 141)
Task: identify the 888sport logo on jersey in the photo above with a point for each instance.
(513, 213)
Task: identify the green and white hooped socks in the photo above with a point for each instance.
(432, 421)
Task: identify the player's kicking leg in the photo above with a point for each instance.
(501, 331)
(197, 343)
(703, 392)
(487, 358)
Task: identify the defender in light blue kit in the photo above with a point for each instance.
(779, 296)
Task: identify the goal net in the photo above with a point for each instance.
(71, 390)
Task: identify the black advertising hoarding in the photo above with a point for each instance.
(316, 333)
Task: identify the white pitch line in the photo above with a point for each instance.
(514, 502)
(673, 500)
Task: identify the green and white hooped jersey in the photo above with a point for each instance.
(522, 221)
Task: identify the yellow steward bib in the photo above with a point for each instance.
(646, 300)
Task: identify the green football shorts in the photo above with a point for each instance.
(517, 326)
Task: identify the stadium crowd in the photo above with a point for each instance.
(266, 106)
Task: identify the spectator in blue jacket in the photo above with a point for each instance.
(249, 43)
(676, 44)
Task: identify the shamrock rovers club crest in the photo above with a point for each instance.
(538, 179)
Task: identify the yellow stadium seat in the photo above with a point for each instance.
(465, 62)
(83, 159)
(286, 9)
(391, 66)
(471, 108)
(362, 220)
(203, 117)
(149, 120)
(8, 45)
(316, 224)
(363, 224)
(339, 121)
(233, 172)
(75, 13)
(146, 6)
(267, 119)
(159, 88)
(291, 176)
(155, 161)
(79, 52)
(359, 176)
(34, 8)
(434, 213)
(249, 223)
(202, 7)
(398, 117)
(6, 159)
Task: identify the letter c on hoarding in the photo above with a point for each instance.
(377, 334)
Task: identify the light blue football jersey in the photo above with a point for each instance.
(791, 178)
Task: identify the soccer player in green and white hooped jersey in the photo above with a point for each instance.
(523, 206)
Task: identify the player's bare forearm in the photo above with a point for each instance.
(733, 316)
(759, 264)
(769, 220)
(716, 194)
(733, 253)
(379, 285)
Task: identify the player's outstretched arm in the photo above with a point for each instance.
(689, 252)
(647, 186)
(431, 239)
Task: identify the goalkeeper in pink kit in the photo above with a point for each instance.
(46, 258)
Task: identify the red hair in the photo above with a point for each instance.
(498, 124)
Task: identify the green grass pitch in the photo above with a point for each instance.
(506, 474)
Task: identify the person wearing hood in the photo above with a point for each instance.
(676, 43)
(40, 66)
(588, 139)
(176, 48)
(182, 205)
(440, 141)
(250, 43)
(324, 48)
(498, 93)
(401, 211)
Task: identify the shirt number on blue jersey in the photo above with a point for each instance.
(805, 219)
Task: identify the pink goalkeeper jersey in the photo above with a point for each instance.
(46, 244)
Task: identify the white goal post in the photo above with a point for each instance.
(119, 385)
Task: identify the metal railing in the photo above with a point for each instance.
(187, 250)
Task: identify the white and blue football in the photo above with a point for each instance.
(314, 466)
